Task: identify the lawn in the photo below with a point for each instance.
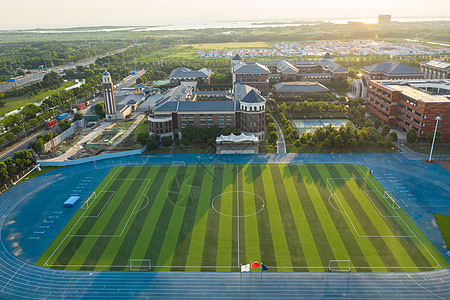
(217, 217)
(444, 225)
(425, 148)
(17, 102)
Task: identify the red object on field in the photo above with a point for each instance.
(255, 265)
(50, 123)
(429, 161)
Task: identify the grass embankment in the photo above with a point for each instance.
(231, 45)
(17, 102)
(444, 226)
(425, 149)
(43, 170)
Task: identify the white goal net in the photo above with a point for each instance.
(339, 265)
(140, 265)
(392, 203)
(178, 163)
(89, 201)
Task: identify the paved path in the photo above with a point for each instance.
(19, 279)
(281, 143)
(130, 129)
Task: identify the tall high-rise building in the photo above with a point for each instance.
(384, 19)
(108, 94)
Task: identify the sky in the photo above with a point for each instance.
(60, 13)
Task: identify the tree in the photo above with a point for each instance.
(142, 138)
(377, 123)
(273, 138)
(411, 136)
(64, 125)
(77, 116)
(16, 130)
(385, 130)
(3, 172)
(39, 146)
(271, 127)
(393, 136)
(438, 137)
(99, 109)
(166, 141)
(9, 136)
(152, 142)
(11, 166)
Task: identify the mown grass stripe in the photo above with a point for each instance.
(394, 226)
(173, 230)
(410, 244)
(251, 206)
(184, 237)
(240, 229)
(73, 244)
(225, 229)
(197, 241)
(155, 248)
(303, 184)
(234, 231)
(115, 221)
(75, 221)
(156, 175)
(357, 213)
(297, 255)
(264, 231)
(158, 198)
(210, 246)
(357, 248)
(311, 255)
(281, 248)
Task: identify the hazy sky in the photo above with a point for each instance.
(28, 13)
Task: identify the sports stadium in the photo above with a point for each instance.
(186, 226)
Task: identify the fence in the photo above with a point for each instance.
(63, 136)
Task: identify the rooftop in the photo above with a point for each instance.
(419, 95)
(438, 64)
(391, 67)
(198, 106)
(185, 72)
(250, 68)
(253, 97)
(300, 87)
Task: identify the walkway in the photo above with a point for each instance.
(24, 280)
(130, 129)
(281, 144)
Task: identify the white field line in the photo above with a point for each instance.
(379, 212)
(237, 200)
(13, 276)
(104, 206)
(437, 263)
(353, 225)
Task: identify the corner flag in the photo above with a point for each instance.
(264, 268)
(245, 268)
(255, 265)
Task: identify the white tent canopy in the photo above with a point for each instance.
(237, 138)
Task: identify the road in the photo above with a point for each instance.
(23, 144)
(36, 76)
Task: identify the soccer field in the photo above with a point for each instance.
(216, 217)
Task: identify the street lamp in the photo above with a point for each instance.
(438, 118)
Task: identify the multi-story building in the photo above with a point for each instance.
(388, 70)
(290, 70)
(247, 114)
(408, 104)
(253, 74)
(184, 74)
(435, 69)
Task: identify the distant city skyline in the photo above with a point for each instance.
(53, 13)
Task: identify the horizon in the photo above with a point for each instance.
(53, 14)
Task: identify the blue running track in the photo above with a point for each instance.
(35, 206)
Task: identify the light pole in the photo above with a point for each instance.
(438, 118)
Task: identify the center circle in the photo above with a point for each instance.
(259, 203)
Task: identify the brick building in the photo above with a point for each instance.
(253, 74)
(247, 114)
(408, 104)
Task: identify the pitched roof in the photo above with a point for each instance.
(237, 57)
(332, 66)
(197, 106)
(185, 72)
(253, 97)
(286, 67)
(106, 73)
(140, 85)
(300, 87)
(327, 56)
(250, 68)
(391, 67)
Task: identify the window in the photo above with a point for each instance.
(191, 122)
(228, 122)
(183, 122)
(221, 122)
(190, 116)
(210, 122)
(202, 122)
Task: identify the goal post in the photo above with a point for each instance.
(392, 203)
(140, 265)
(178, 163)
(336, 265)
(89, 201)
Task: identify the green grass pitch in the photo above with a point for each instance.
(216, 217)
